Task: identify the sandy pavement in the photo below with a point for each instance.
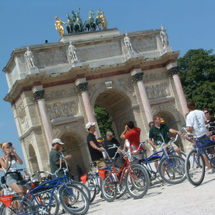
(182, 199)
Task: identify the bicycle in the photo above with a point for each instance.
(169, 162)
(195, 162)
(65, 195)
(131, 177)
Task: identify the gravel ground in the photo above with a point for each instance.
(168, 199)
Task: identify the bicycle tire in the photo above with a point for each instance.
(195, 170)
(137, 185)
(108, 187)
(91, 185)
(175, 166)
(26, 208)
(69, 201)
(83, 187)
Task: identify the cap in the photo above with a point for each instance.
(57, 140)
(89, 124)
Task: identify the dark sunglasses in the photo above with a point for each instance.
(206, 112)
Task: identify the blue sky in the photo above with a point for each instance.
(189, 24)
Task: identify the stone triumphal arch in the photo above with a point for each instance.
(133, 76)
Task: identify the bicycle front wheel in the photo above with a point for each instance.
(51, 204)
(73, 199)
(17, 206)
(195, 167)
(137, 181)
(91, 185)
(108, 188)
(172, 170)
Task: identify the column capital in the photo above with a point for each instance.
(81, 84)
(172, 69)
(137, 75)
(39, 94)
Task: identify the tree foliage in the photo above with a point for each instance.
(197, 74)
(103, 119)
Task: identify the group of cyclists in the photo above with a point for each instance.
(196, 121)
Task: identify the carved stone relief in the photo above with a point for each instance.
(50, 58)
(145, 44)
(59, 94)
(99, 51)
(154, 77)
(158, 90)
(127, 85)
(23, 119)
(60, 109)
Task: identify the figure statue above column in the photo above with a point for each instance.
(29, 58)
(128, 46)
(72, 55)
(164, 37)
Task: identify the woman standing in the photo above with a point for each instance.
(8, 162)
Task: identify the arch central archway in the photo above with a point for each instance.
(119, 106)
(73, 147)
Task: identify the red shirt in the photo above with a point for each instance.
(134, 138)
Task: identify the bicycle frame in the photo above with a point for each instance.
(202, 148)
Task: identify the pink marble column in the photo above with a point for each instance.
(82, 87)
(172, 70)
(137, 76)
(180, 93)
(44, 116)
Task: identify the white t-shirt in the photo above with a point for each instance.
(197, 119)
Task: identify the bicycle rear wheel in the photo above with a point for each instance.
(195, 167)
(27, 207)
(137, 182)
(172, 171)
(91, 185)
(71, 202)
(108, 188)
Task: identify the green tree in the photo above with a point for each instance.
(197, 74)
(103, 119)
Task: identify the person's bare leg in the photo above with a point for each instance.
(17, 189)
(178, 151)
(207, 162)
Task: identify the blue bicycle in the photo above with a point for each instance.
(171, 167)
(195, 162)
(71, 197)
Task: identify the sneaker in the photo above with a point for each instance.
(210, 171)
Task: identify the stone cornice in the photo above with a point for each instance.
(89, 73)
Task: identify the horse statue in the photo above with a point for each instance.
(70, 22)
(98, 20)
(89, 24)
(78, 24)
